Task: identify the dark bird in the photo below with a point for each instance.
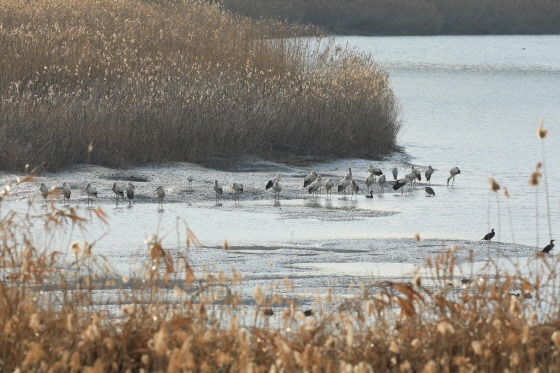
(268, 311)
(308, 312)
(548, 247)
(490, 235)
(430, 192)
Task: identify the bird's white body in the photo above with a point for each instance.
(453, 172)
(381, 181)
(370, 180)
(328, 186)
(66, 191)
(190, 179)
(277, 188)
(129, 191)
(310, 178)
(343, 184)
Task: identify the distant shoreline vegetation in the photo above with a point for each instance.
(411, 17)
(118, 83)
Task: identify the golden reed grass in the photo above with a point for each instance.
(158, 81)
(410, 17)
(64, 310)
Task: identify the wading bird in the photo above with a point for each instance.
(66, 191)
(428, 173)
(129, 192)
(311, 177)
(453, 172)
(355, 187)
(44, 190)
(548, 247)
(328, 186)
(370, 180)
(490, 235)
(381, 181)
(219, 191)
(160, 195)
(277, 188)
(272, 181)
(417, 174)
(395, 173)
(343, 184)
(375, 171)
(91, 192)
(237, 188)
(429, 191)
(190, 179)
(118, 193)
(399, 184)
(316, 186)
(411, 176)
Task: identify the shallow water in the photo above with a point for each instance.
(471, 102)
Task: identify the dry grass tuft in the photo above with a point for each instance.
(123, 82)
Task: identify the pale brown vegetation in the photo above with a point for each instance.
(123, 82)
(54, 318)
(411, 17)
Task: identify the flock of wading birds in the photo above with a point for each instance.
(313, 182)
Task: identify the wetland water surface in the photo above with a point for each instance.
(471, 102)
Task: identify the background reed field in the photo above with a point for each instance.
(159, 81)
(411, 17)
(62, 309)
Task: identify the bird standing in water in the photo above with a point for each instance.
(129, 192)
(66, 190)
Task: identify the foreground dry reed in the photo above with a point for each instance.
(159, 81)
(64, 310)
(411, 17)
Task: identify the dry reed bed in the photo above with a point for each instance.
(411, 17)
(178, 81)
(400, 327)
